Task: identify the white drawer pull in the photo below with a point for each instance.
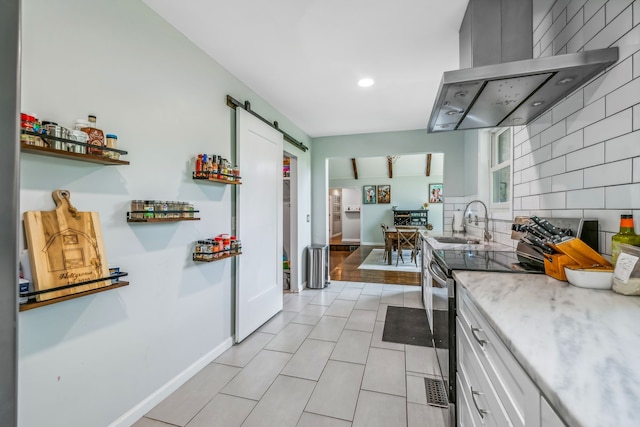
(480, 340)
(482, 412)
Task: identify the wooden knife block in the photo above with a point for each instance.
(572, 252)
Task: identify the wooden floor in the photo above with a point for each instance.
(343, 265)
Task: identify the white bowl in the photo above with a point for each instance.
(592, 278)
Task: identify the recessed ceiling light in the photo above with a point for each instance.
(537, 103)
(365, 82)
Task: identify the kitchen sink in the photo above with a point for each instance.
(457, 240)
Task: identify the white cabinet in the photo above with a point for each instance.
(493, 389)
(548, 417)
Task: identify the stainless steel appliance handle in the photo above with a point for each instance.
(480, 340)
(440, 278)
(475, 393)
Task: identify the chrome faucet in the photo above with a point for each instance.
(487, 235)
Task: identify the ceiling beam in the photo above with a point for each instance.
(355, 168)
(390, 165)
(429, 164)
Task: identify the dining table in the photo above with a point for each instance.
(391, 233)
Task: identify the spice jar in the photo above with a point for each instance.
(78, 136)
(112, 142)
(96, 136)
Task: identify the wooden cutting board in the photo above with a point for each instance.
(65, 247)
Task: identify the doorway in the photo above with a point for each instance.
(290, 256)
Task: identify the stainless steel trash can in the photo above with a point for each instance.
(318, 266)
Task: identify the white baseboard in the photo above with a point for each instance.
(138, 411)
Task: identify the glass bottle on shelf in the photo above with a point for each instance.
(626, 235)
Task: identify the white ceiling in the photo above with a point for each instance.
(305, 57)
(411, 165)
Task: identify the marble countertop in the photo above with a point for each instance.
(580, 346)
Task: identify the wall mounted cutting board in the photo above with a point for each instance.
(65, 247)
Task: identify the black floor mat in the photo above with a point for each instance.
(406, 325)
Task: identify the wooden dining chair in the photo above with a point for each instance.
(408, 239)
(388, 244)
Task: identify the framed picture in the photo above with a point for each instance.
(368, 194)
(435, 193)
(384, 194)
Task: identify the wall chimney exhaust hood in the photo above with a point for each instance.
(500, 85)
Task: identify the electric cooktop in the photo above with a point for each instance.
(495, 261)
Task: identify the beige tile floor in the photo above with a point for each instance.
(320, 362)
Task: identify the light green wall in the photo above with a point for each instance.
(452, 144)
(117, 353)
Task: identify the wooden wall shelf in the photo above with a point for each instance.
(30, 305)
(45, 151)
(225, 256)
(161, 219)
(218, 180)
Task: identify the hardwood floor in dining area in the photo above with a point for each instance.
(343, 265)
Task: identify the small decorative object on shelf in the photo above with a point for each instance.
(220, 247)
(211, 167)
(161, 211)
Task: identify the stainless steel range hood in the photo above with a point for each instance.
(502, 85)
(513, 93)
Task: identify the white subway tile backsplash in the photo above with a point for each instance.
(623, 196)
(541, 123)
(553, 201)
(573, 26)
(614, 7)
(623, 147)
(523, 162)
(574, 7)
(521, 190)
(517, 177)
(553, 133)
(536, 50)
(612, 32)
(608, 174)
(541, 155)
(568, 106)
(611, 127)
(520, 137)
(636, 63)
(517, 151)
(628, 44)
(576, 213)
(636, 13)
(586, 199)
(530, 202)
(531, 144)
(624, 97)
(542, 29)
(608, 220)
(517, 204)
(589, 114)
(553, 167)
(636, 169)
(590, 156)
(636, 117)
(568, 181)
(567, 144)
(593, 6)
(558, 10)
(540, 186)
(531, 173)
(558, 24)
(615, 77)
(593, 25)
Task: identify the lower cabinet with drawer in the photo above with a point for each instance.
(493, 389)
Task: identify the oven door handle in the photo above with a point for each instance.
(440, 278)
